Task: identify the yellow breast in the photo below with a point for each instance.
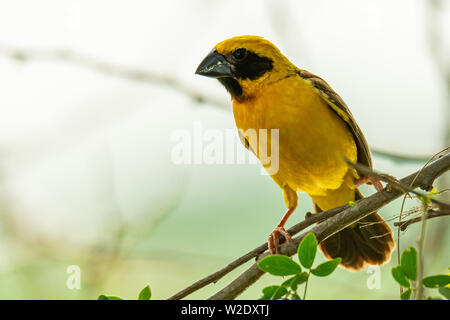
(312, 139)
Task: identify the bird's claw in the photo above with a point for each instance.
(274, 242)
(369, 180)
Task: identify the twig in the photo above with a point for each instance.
(213, 278)
(432, 213)
(334, 224)
(98, 65)
(306, 284)
(403, 206)
(418, 293)
(398, 158)
(392, 182)
(403, 188)
(388, 219)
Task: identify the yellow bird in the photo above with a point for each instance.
(316, 130)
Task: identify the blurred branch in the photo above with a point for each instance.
(398, 158)
(335, 220)
(109, 69)
(432, 213)
(135, 74)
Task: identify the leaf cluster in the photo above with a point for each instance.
(281, 265)
(406, 276)
(145, 294)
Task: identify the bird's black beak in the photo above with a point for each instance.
(215, 66)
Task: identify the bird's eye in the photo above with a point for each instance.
(240, 54)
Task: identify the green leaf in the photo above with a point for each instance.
(299, 279)
(326, 268)
(307, 250)
(445, 291)
(273, 292)
(351, 203)
(290, 283)
(145, 293)
(296, 280)
(295, 296)
(436, 281)
(103, 297)
(400, 277)
(406, 295)
(409, 263)
(279, 265)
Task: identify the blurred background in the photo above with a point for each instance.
(92, 92)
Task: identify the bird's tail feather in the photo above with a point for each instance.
(369, 241)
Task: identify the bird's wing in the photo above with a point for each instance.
(338, 105)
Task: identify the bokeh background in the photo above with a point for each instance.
(92, 91)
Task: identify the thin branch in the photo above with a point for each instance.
(139, 75)
(398, 158)
(403, 188)
(432, 213)
(403, 206)
(214, 277)
(393, 182)
(345, 218)
(98, 65)
(418, 293)
(306, 285)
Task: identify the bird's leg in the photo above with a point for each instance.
(369, 180)
(376, 182)
(273, 242)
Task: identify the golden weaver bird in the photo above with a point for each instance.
(316, 132)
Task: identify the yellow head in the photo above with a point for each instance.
(245, 64)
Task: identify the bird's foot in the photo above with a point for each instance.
(274, 242)
(370, 181)
(395, 180)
